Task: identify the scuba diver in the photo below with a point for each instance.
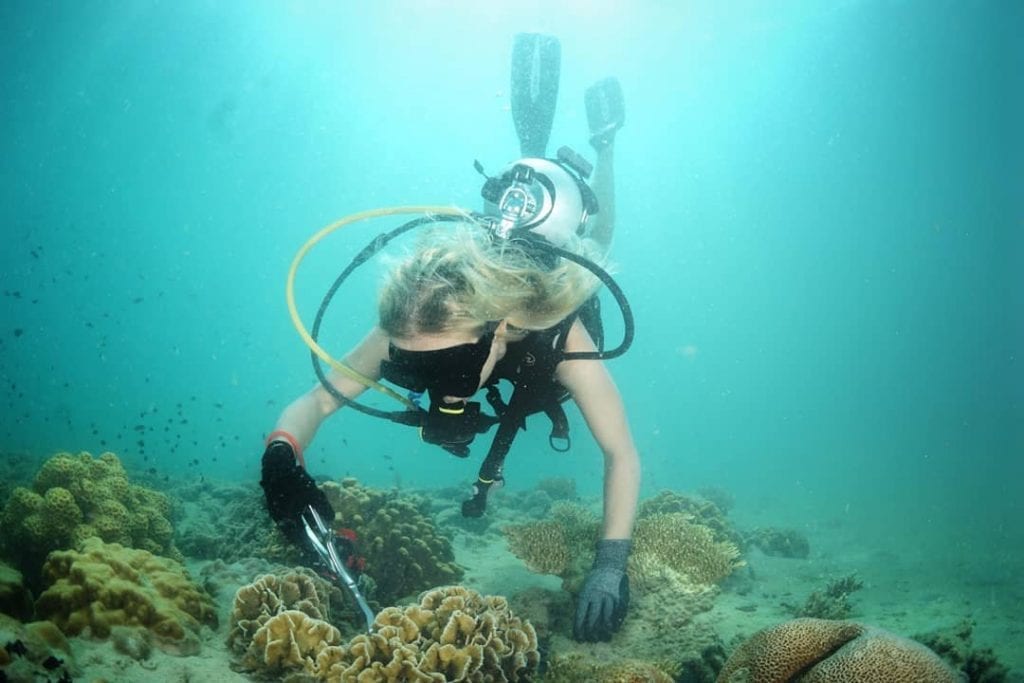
(507, 295)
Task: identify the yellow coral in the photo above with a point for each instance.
(272, 594)
(453, 634)
(291, 640)
(63, 469)
(110, 519)
(22, 502)
(541, 545)
(564, 545)
(60, 513)
(404, 551)
(76, 497)
(106, 585)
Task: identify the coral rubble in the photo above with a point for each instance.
(831, 603)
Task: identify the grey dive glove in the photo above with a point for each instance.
(604, 599)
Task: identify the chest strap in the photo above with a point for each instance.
(536, 390)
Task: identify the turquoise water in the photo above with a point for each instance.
(820, 216)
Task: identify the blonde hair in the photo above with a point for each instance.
(458, 278)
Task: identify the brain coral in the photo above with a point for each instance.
(104, 585)
(404, 551)
(823, 651)
(75, 497)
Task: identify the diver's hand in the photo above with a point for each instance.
(604, 600)
(289, 489)
(606, 112)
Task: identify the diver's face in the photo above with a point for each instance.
(452, 366)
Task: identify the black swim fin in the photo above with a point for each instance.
(536, 65)
(606, 111)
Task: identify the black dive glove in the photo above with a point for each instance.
(289, 489)
(604, 599)
(606, 112)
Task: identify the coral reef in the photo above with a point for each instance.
(452, 634)
(722, 498)
(558, 488)
(564, 545)
(404, 551)
(575, 668)
(701, 511)
(104, 585)
(75, 497)
(831, 603)
(218, 576)
(834, 601)
(212, 512)
(34, 652)
(780, 542)
(663, 628)
(954, 645)
(823, 651)
(15, 599)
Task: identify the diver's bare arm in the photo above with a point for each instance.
(602, 225)
(304, 415)
(599, 400)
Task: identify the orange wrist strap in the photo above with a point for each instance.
(281, 435)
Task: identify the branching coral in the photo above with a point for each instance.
(833, 602)
(104, 585)
(671, 541)
(663, 541)
(701, 511)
